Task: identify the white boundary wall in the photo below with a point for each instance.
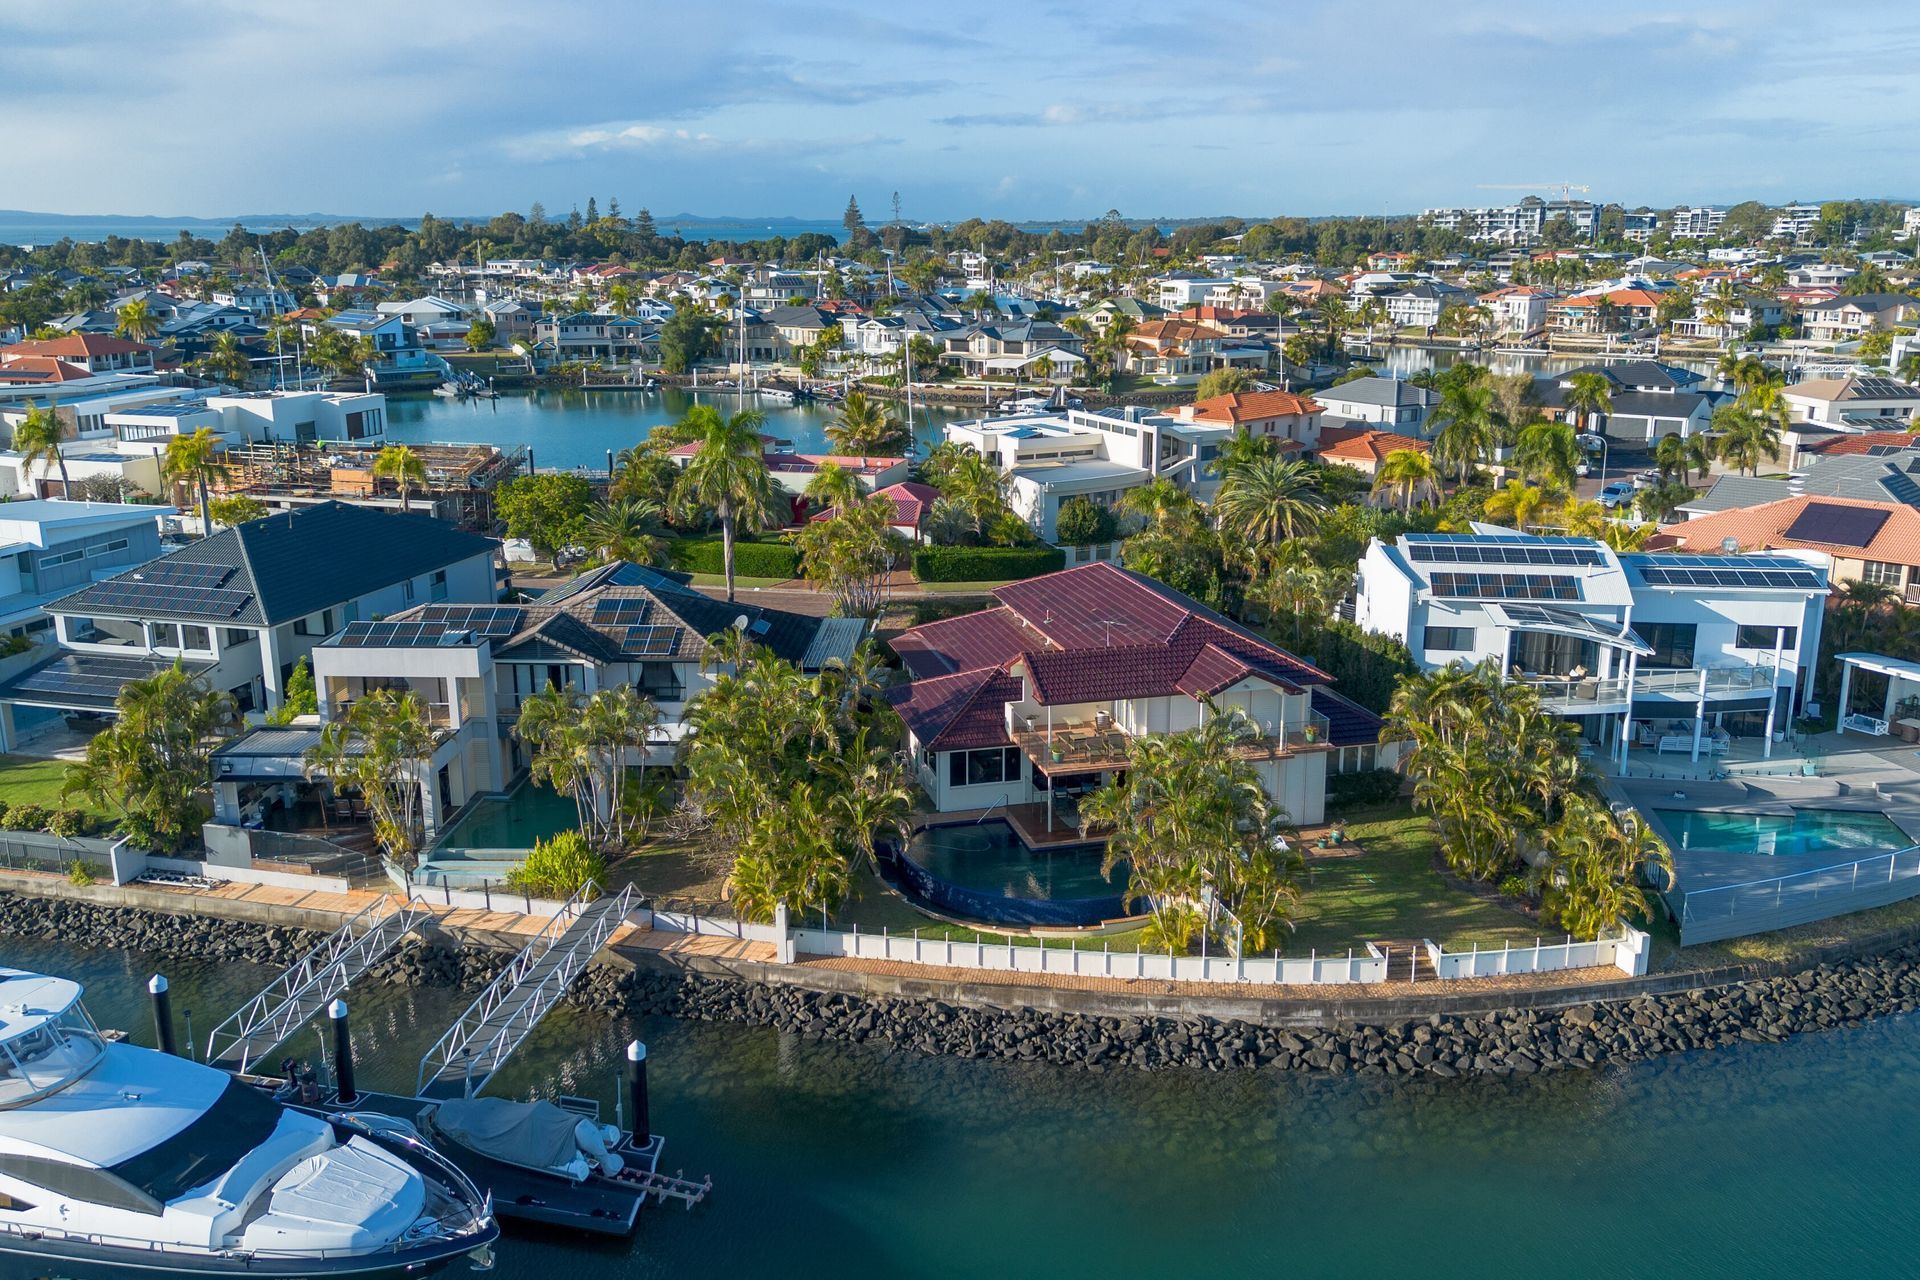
(1626, 952)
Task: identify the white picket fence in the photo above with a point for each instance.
(1626, 952)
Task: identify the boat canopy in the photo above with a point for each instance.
(537, 1134)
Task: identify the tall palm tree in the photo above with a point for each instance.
(1587, 397)
(227, 360)
(1549, 453)
(626, 529)
(1516, 504)
(1270, 499)
(403, 466)
(863, 426)
(1470, 421)
(1160, 502)
(37, 441)
(1746, 437)
(195, 460)
(1670, 456)
(833, 488)
(1410, 473)
(1337, 316)
(135, 320)
(729, 477)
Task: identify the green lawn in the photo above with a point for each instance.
(739, 583)
(35, 780)
(1391, 891)
(964, 588)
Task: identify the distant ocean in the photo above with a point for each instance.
(25, 230)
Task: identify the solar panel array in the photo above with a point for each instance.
(95, 678)
(622, 611)
(1505, 586)
(651, 642)
(1837, 524)
(1730, 571)
(396, 635)
(1546, 615)
(192, 595)
(489, 622)
(1496, 550)
(184, 573)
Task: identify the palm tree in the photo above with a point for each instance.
(195, 460)
(1270, 498)
(227, 360)
(626, 529)
(1549, 453)
(1588, 396)
(1746, 436)
(1160, 502)
(729, 476)
(1516, 504)
(1698, 454)
(403, 466)
(863, 426)
(37, 440)
(978, 488)
(1337, 316)
(1409, 473)
(1471, 423)
(135, 320)
(1670, 456)
(833, 487)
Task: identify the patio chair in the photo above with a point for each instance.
(343, 808)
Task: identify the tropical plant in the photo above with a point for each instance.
(1222, 382)
(236, 508)
(582, 745)
(625, 529)
(194, 460)
(36, 438)
(1268, 499)
(135, 320)
(1589, 396)
(559, 867)
(1197, 830)
(301, 697)
(152, 763)
(548, 509)
(832, 487)
(400, 464)
(226, 360)
(1549, 454)
(729, 477)
(382, 748)
(1517, 504)
(1410, 474)
(865, 426)
(1745, 437)
(977, 488)
(1470, 425)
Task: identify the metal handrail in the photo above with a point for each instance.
(1781, 882)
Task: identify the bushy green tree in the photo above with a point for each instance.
(151, 765)
(548, 510)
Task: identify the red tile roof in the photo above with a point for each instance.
(1764, 528)
(959, 712)
(911, 502)
(1865, 442)
(41, 369)
(1252, 406)
(1365, 444)
(76, 345)
(970, 642)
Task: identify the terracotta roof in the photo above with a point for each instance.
(1252, 406)
(76, 345)
(1211, 670)
(970, 642)
(1763, 528)
(1865, 442)
(1365, 443)
(911, 502)
(1177, 331)
(41, 369)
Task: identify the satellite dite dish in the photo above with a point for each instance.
(740, 623)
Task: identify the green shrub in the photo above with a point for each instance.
(557, 867)
(750, 559)
(1515, 887)
(25, 817)
(79, 873)
(1357, 790)
(69, 823)
(985, 564)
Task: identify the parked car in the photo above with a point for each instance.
(1617, 494)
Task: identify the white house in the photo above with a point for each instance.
(1386, 402)
(1669, 651)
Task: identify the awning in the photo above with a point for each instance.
(1898, 668)
(75, 681)
(1565, 622)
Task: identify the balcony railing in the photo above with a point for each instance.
(1572, 693)
(1103, 745)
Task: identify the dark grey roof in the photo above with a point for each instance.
(1657, 404)
(1381, 391)
(1874, 302)
(281, 567)
(1731, 492)
(1640, 373)
(88, 681)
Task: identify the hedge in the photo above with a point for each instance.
(750, 559)
(985, 564)
(1368, 787)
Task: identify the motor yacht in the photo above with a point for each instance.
(117, 1161)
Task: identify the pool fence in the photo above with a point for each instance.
(1779, 902)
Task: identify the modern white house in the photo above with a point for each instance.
(240, 608)
(1386, 402)
(1665, 652)
(1037, 699)
(50, 547)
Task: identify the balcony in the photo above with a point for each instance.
(1588, 695)
(1083, 747)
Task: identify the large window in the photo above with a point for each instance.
(1672, 644)
(977, 768)
(1757, 637)
(1449, 639)
(1879, 571)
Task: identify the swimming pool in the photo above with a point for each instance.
(1778, 834)
(514, 821)
(981, 871)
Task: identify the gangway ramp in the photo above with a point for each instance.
(261, 1024)
(462, 1061)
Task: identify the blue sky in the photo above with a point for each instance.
(1030, 110)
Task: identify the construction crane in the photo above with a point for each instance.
(1566, 189)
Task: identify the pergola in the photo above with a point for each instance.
(1903, 682)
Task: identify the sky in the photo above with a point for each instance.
(1034, 110)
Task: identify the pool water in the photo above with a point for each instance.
(988, 857)
(514, 821)
(1775, 834)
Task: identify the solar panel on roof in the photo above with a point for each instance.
(650, 642)
(491, 622)
(1503, 551)
(1837, 525)
(624, 611)
(1505, 586)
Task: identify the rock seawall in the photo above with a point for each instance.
(1507, 1042)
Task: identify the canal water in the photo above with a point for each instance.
(573, 428)
(1790, 1160)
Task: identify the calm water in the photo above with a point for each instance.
(531, 812)
(1791, 1160)
(1803, 831)
(990, 857)
(576, 428)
